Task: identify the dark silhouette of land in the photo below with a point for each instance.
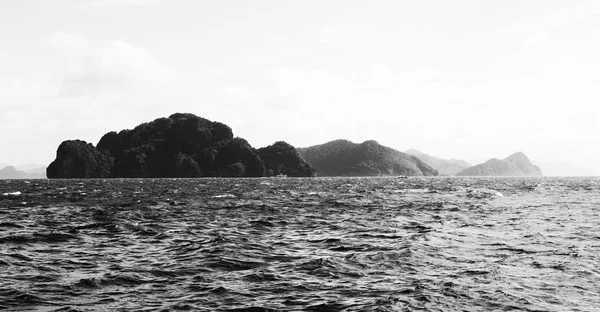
(182, 145)
(345, 158)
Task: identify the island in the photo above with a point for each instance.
(345, 158)
(12, 172)
(517, 164)
(181, 145)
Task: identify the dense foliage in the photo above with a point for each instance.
(182, 145)
(78, 159)
(344, 158)
(282, 159)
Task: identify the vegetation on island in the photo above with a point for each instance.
(182, 145)
(345, 158)
(282, 159)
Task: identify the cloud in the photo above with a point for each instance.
(120, 3)
(97, 87)
(333, 33)
(113, 68)
(376, 85)
(68, 43)
(543, 26)
(239, 93)
(314, 105)
(20, 88)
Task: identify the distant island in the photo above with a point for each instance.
(12, 172)
(182, 145)
(516, 164)
(448, 167)
(345, 158)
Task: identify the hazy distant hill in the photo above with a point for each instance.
(443, 166)
(345, 158)
(11, 172)
(37, 173)
(516, 164)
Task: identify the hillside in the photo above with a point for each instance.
(345, 158)
(182, 145)
(516, 164)
(443, 166)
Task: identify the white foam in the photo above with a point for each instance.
(12, 194)
(224, 196)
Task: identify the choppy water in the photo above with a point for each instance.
(376, 244)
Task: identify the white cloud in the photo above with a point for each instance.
(543, 26)
(311, 106)
(20, 88)
(101, 88)
(239, 93)
(70, 44)
(120, 3)
(332, 33)
(116, 67)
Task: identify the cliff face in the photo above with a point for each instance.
(443, 166)
(78, 159)
(182, 145)
(344, 158)
(516, 164)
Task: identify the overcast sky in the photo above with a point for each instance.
(464, 79)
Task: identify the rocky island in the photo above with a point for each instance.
(182, 145)
(345, 158)
(516, 164)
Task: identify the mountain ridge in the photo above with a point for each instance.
(13, 172)
(516, 164)
(345, 158)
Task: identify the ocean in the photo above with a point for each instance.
(300, 244)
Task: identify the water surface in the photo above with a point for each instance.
(338, 244)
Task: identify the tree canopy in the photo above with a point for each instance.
(181, 145)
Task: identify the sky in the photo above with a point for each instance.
(465, 79)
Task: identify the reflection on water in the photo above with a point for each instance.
(337, 244)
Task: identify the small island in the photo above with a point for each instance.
(181, 145)
(345, 158)
(517, 164)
